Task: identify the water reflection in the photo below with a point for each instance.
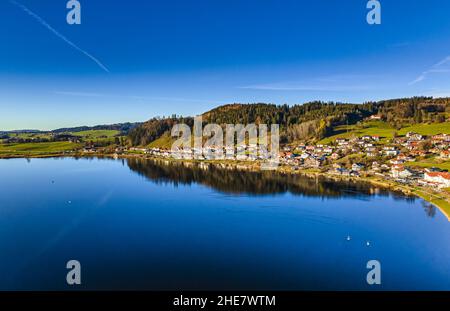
(233, 180)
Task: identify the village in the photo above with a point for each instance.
(348, 157)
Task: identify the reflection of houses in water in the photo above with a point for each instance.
(229, 178)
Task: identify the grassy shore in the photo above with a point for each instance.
(37, 149)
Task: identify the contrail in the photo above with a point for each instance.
(45, 24)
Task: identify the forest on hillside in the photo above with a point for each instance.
(309, 121)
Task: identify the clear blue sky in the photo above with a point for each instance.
(187, 56)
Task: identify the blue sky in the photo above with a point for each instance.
(131, 60)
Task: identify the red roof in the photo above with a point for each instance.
(439, 174)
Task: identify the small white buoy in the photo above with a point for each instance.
(368, 243)
(348, 238)
(70, 202)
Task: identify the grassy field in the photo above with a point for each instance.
(432, 162)
(384, 130)
(31, 135)
(99, 136)
(165, 141)
(34, 149)
(93, 134)
(427, 129)
(96, 134)
(440, 200)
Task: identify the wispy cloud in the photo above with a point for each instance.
(436, 68)
(55, 32)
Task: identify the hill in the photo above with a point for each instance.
(297, 122)
(123, 128)
(313, 121)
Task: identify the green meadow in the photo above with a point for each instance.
(431, 162)
(384, 130)
(96, 134)
(427, 129)
(37, 149)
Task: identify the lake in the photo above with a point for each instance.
(155, 225)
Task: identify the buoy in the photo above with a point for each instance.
(348, 238)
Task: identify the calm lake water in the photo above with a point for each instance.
(137, 224)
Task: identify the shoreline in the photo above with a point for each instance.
(439, 200)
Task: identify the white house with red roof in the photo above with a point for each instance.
(440, 179)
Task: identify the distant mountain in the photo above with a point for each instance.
(20, 131)
(122, 127)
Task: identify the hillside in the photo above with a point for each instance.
(384, 130)
(119, 127)
(313, 121)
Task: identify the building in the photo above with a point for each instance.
(445, 154)
(414, 136)
(440, 179)
(399, 171)
(375, 117)
(357, 167)
(312, 162)
(390, 151)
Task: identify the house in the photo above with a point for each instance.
(440, 179)
(418, 153)
(357, 167)
(397, 161)
(89, 149)
(376, 138)
(371, 152)
(337, 166)
(343, 171)
(390, 151)
(334, 156)
(376, 166)
(304, 155)
(441, 138)
(445, 154)
(328, 150)
(414, 136)
(341, 141)
(399, 171)
(312, 162)
(375, 117)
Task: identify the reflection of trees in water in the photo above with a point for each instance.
(429, 209)
(248, 182)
